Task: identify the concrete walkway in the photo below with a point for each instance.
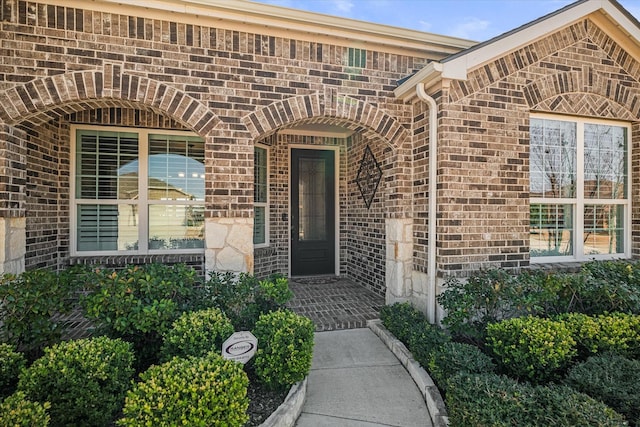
(356, 381)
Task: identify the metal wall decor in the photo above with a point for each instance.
(369, 176)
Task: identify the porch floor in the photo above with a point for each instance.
(334, 302)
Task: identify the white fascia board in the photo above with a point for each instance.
(428, 75)
(459, 67)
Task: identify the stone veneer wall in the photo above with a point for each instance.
(484, 151)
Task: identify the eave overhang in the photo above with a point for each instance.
(608, 13)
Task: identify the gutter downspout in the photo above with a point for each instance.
(433, 187)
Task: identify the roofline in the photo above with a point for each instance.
(457, 66)
(282, 19)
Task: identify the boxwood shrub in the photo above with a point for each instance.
(18, 411)
(11, 363)
(499, 401)
(401, 319)
(615, 332)
(531, 348)
(196, 333)
(453, 358)
(424, 339)
(612, 379)
(285, 348)
(85, 380)
(194, 391)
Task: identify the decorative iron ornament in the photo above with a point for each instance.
(369, 176)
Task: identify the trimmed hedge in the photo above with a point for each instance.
(401, 319)
(499, 401)
(612, 379)
(196, 334)
(454, 358)
(18, 411)
(531, 348)
(285, 348)
(85, 380)
(196, 391)
(424, 339)
(11, 363)
(616, 332)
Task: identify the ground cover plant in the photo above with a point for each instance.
(548, 336)
(143, 316)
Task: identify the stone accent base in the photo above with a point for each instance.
(229, 244)
(12, 245)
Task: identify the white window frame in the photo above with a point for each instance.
(264, 204)
(580, 201)
(142, 201)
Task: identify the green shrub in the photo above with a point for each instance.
(486, 297)
(285, 348)
(531, 348)
(612, 286)
(11, 363)
(28, 305)
(85, 380)
(196, 334)
(244, 298)
(453, 358)
(612, 379)
(616, 332)
(401, 319)
(140, 303)
(196, 391)
(570, 408)
(544, 294)
(17, 411)
(498, 401)
(424, 339)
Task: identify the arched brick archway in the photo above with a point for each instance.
(348, 111)
(392, 222)
(583, 92)
(40, 100)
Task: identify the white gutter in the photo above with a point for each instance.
(433, 187)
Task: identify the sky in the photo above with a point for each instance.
(477, 20)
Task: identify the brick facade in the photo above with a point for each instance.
(484, 156)
(238, 84)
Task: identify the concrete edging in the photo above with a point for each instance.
(288, 412)
(430, 392)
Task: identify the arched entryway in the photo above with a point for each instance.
(332, 192)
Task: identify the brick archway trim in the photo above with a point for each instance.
(344, 109)
(45, 98)
(584, 90)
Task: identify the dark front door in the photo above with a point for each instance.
(312, 212)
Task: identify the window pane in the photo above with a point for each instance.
(605, 162)
(176, 226)
(176, 167)
(107, 227)
(552, 158)
(106, 165)
(260, 175)
(259, 225)
(551, 230)
(312, 196)
(603, 229)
